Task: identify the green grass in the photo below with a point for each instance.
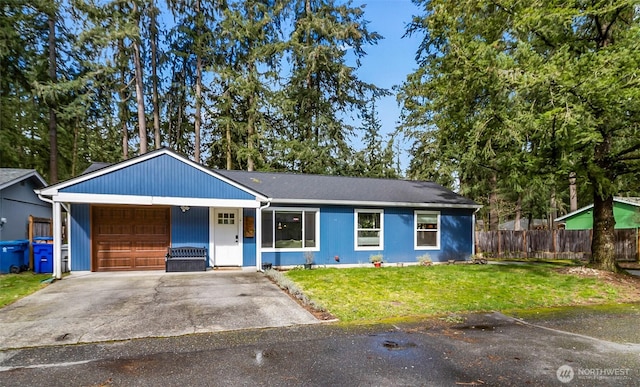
(15, 286)
(373, 294)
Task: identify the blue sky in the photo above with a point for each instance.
(390, 61)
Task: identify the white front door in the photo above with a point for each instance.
(226, 241)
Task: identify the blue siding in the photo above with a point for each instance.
(249, 244)
(398, 236)
(457, 235)
(337, 238)
(17, 202)
(80, 237)
(160, 176)
(190, 228)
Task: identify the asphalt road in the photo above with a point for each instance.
(478, 349)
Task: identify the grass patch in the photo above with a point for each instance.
(15, 286)
(373, 294)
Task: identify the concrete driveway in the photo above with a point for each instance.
(92, 307)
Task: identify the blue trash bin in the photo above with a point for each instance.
(43, 255)
(13, 256)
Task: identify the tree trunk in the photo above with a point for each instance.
(553, 209)
(198, 112)
(74, 156)
(250, 135)
(122, 105)
(53, 128)
(142, 123)
(573, 192)
(494, 221)
(603, 242)
(516, 224)
(228, 147)
(154, 76)
(178, 144)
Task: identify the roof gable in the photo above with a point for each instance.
(11, 176)
(160, 173)
(632, 201)
(300, 188)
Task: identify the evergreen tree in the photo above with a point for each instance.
(193, 48)
(24, 31)
(246, 66)
(529, 93)
(377, 157)
(322, 88)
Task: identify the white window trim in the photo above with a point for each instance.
(415, 230)
(273, 225)
(355, 230)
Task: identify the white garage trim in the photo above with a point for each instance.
(68, 197)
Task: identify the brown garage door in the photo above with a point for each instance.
(129, 238)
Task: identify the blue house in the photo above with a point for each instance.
(125, 215)
(18, 201)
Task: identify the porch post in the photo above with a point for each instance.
(68, 208)
(57, 240)
(258, 238)
(473, 233)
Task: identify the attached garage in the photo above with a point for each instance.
(124, 216)
(129, 237)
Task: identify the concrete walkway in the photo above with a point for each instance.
(92, 307)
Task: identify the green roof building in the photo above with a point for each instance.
(626, 211)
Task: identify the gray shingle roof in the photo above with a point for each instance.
(95, 166)
(290, 186)
(10, 176)
(302, 188)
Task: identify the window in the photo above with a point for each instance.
(226, 218)
(427, 230)
(369, 231)
(295, 229)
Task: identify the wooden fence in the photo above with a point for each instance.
(558, 244)
(38, 227)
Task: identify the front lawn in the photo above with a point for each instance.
(372, 294)
(15, 286)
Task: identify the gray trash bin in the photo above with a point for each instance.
(65, 258)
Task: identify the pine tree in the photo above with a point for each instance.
(322, 88)
(24, 31)
(377, 158)
(246, 66)
(530, 92)
(194, 49)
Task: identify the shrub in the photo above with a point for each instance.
(290, 287)
(373, 258)
(425, 260)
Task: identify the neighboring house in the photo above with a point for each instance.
(536, 224)
(18, 200)
(124, 216)
(626, 211)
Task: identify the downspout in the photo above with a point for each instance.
(259, 234)
(473, 232)
(64, 205)
(57, 234)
